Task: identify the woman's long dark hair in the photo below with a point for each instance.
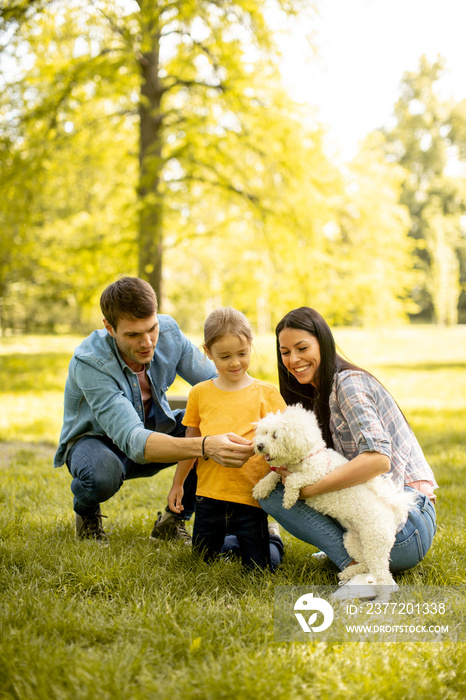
(317, 400)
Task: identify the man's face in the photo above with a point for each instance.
(136, 339)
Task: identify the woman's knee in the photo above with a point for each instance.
(274, 503)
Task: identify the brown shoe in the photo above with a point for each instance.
(89, 527)
(168, 526)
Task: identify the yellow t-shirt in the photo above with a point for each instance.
(215, 411)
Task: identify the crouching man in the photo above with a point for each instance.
(118, 424)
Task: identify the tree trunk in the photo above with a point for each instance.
(150, 239)
(445, 270)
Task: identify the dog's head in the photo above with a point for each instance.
(287, 437)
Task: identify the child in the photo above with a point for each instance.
(231, 402)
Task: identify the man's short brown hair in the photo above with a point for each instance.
(128, 297)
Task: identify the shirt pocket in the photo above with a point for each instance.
(168, 380)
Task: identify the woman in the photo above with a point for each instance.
(362, 421)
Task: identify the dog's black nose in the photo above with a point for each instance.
(260, 447)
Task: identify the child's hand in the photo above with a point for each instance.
(174, 498)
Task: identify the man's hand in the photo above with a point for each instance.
(229, 450)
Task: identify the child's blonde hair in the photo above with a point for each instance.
(223, 321)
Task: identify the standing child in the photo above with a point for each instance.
(233, 401)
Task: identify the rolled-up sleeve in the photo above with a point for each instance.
(364, 417)
(357, 422)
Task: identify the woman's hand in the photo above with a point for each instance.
(283, 471)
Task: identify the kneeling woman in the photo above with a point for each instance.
(360, 420)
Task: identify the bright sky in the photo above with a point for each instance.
(364, 47)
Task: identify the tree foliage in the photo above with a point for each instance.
(428, 141)
(67, 169)
(157, 138)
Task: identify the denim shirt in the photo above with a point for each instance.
(103, 396)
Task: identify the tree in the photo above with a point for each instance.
(187, 68)
(193, 107)
(458, 139)
(372, 272)
(422, 141)
(66, 215)
(156, 137)
(272, 257)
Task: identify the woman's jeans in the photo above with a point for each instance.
(223, 526)
(99, 469)
(411, 544)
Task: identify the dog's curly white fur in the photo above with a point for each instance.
(371, 513)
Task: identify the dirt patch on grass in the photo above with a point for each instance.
(9, 451)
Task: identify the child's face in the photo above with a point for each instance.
(231, 356)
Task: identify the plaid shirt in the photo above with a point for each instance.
(364, 417)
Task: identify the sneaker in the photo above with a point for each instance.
(361, 586)
(169, 526)
(89, 527)
(320, 556)
(274, 530)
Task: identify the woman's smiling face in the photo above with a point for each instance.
(300, 353)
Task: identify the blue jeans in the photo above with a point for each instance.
(411, 544)
(276, 549)
(219, 524)
(99, 468)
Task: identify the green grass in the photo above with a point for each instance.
(130, 620)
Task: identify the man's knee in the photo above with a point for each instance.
(98, 472)
(108, 481)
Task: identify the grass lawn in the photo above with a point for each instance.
(132, 621)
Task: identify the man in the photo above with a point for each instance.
(118, 424)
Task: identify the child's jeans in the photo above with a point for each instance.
(216, 520)
(276, 549)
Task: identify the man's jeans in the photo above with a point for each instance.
(99, 469)
(411, 544)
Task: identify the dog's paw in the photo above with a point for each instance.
(289, 502)
(259, 492)
(352, 570)
(346, 574)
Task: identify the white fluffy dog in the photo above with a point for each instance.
(371, 512)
